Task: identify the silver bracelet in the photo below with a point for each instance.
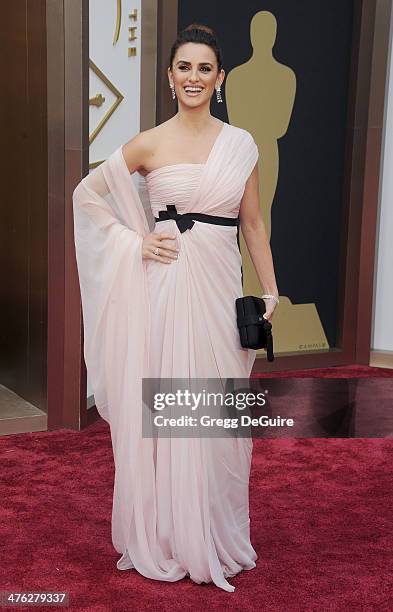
(273, 297)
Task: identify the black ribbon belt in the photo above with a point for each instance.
(186, 221)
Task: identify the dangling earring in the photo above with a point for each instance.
(173, 91)
(218, 93)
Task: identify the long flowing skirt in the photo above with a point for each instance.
(199, 515)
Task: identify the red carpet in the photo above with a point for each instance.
(348, 371)
(321, 512)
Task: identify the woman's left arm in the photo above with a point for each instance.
(255, 236)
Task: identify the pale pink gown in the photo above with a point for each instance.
(188, 511)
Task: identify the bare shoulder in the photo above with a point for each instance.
(139, 149)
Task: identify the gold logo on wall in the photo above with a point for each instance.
(93, 101)
(118, 22)
(260, 95)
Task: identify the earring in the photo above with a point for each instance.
(218, 93)
(173, 91)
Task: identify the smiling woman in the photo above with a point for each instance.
(195, 76)
(161, 304)
(194, 90)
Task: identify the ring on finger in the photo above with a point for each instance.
(156, 251)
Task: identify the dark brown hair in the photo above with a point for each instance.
(197, 33)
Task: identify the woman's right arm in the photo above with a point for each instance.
(136, 152)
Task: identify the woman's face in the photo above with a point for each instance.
(195, 65)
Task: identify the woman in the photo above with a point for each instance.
(161, 304)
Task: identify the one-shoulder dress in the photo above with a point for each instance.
(188, 512)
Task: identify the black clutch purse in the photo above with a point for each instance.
(255, 331)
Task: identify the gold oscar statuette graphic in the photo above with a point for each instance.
(260, 95)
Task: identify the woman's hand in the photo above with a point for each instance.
(153, 248)
(270, 305)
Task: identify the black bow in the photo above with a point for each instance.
(184, 222)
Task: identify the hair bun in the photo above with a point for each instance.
(198, 33)
(200, 26)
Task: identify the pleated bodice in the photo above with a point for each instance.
(173, 184)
